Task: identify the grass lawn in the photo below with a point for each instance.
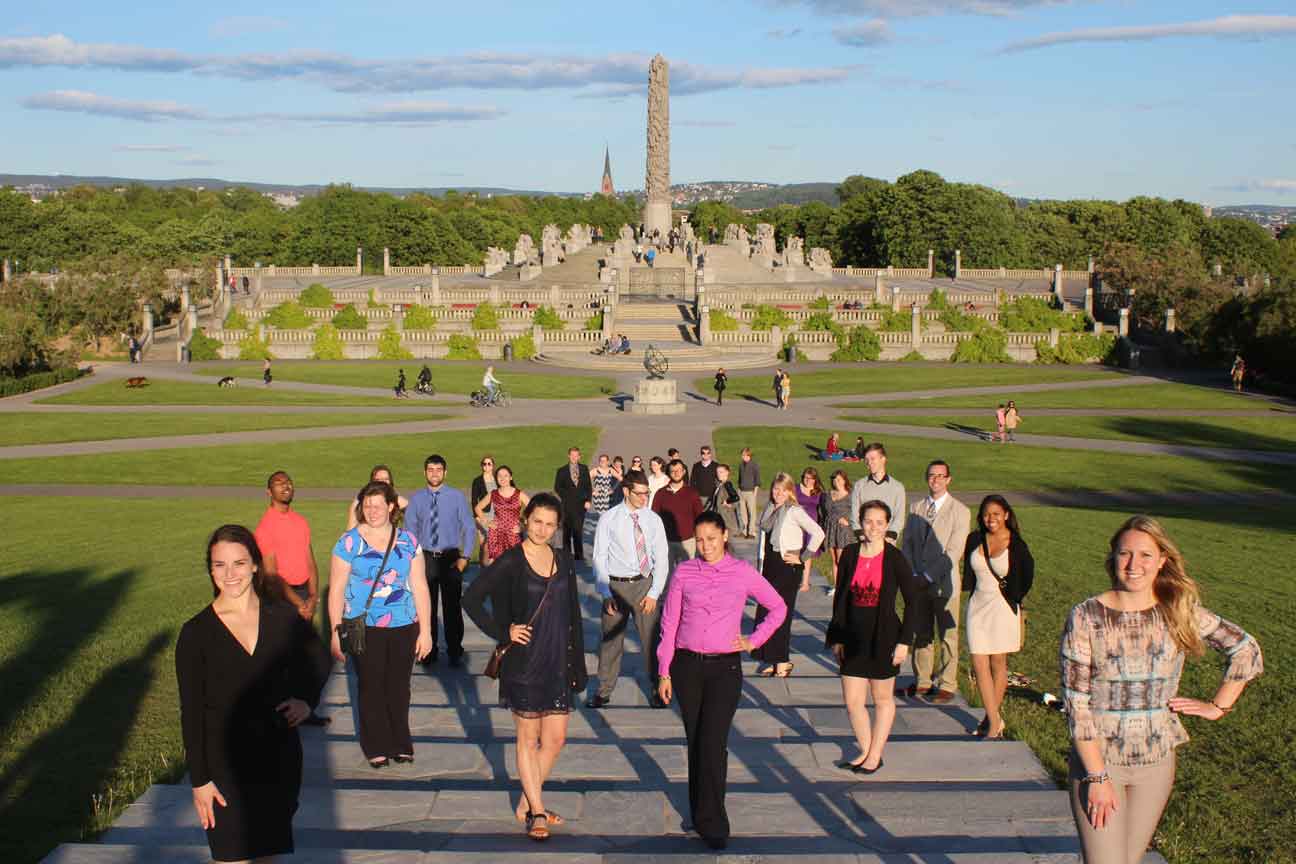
(460, 377)
(533, 452)
(1162, 395)
(895, 377)
(164, 392)
(28, 428)
(1247, 433)
(978, 465)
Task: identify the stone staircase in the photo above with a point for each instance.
(731, 267)
(942, 796)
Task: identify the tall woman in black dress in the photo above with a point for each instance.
(250, 670)
(868, 638)
(536, 610)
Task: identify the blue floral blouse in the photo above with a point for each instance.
(393, 601)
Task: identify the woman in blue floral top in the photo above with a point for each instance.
(397, 628)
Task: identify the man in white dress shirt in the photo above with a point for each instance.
(631, 563)
(934, 537)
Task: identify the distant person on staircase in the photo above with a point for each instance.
(651, 255)
(721, 382)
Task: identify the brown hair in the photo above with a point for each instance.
(845, 479)
(245, 538)
(817, 488)
(372, 488)
(1176, 593)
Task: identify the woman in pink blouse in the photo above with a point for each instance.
(700, 650)
(1122, 654)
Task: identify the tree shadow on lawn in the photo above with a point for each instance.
(71, 763)
(1190, 433)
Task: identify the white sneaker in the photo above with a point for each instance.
(830, 591)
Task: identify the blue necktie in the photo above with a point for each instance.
(436, 533)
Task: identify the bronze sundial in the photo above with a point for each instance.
(656, 363)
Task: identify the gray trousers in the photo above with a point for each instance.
(628, 596)
(748, 512)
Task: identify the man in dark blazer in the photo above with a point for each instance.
(572, 483)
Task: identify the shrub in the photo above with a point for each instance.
(987, 345)
(39, 381)
(420, 317)
(524, 347)
(374, 304)
(316, 296)
(288, 316)
(253, 347)
(938, 300)
(961, 322)
(1077, 348)
(721, 320)
(790, 341)
(768, 317)
(485, 318)
(236, 320)
(204, 347)
(595, 321)
(462, 347)
(821, 302)
(1033, 315)
(823, 322)
(913, 357)
(328, 344)
(895, 322)
(548, 319)
(859, 344)
(348, 318)
(389, 345)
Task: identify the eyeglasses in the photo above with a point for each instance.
(488, 464)
(638, 491)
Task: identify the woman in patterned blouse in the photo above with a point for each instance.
(1122, 653)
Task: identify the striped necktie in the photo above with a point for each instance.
(641, 546)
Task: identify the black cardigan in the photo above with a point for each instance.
(504, 582)
(891, 630)
(479, 492)
(1021, 569)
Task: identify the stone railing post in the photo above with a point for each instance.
(229, 263)
(386, 261)
(377, 294)
(1122, 329)
(896, 295)
(359, 260)
(958, 263)
(256, 271)
(398, 315)
(537, 336)
(609, 321)
(915, 327)
(555, 296)
(1088, 301)
(1054, 336)
(776, 338)
(314, 269)
(436, 286)
(1057, 285)
(146, 323)
(931, 263)
(704, 325)
(184, 300)
(493, 295)
(1170, 320)
(879, 289)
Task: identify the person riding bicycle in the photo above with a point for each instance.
(491, 383)
(400, 385)
(424, 378)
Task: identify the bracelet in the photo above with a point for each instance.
(1221, 707)
(1100, 777)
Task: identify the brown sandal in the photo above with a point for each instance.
(534, 831)
(553, 818)
(786, 673)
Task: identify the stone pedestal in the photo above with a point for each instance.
(656, 396)
(657, 214)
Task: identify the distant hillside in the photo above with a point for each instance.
(65, 181)
(792, 193)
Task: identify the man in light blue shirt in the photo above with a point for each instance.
(631, 563)
(439, 517)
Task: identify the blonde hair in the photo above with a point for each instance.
(1176, 593)
(786, 481)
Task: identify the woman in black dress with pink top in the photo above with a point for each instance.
(250, 670)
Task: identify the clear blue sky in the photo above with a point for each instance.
(1040, 98)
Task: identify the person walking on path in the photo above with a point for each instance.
(249, 671)
(482, 485)
(656, 477)
(703, 475)
(504, 526)
(837, 527)
(602, 481)
(631, 565)
(785, 390)
(749, 482)
(442, 520)
(1001, 419)
(934, 539)
(383, 474)
(678, 505)
(778, 389)
(789, 534)
(266, 377)
(574, 489)
(377, 571)
(699, 653)
(401, 390)
(810, 495)
(1121, 656)
(535, 611)
(882, 486)
(721, 382)
(867, 637)
(1012, 420)
(1238, 372)
(998, 569)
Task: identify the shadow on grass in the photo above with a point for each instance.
(47, 793)
(1196, 434)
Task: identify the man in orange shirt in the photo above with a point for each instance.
(285, 541)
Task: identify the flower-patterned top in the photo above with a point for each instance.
(1120, 670)
(393, 602)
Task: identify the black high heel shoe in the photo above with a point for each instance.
(860, 769)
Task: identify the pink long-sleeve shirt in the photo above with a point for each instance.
(704, 607)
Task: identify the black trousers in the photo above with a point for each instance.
(444, 579)
(708, 687)
(573, 531)
(786, 579)
(384, 704)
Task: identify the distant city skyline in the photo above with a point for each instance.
(1037, 98)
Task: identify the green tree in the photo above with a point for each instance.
(235, 320)
(485, 317)
(328, 344)
(203, 347)
(349, 318)
(859, 344)
(389, 345)
(316, 296)
(547, 319)
(524, 347)
(288, 315)
(419, 317)
(462, 347)
(253, 347)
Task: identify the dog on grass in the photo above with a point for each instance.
(137, 381)
(227, 381)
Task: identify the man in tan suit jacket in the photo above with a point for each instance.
(934, 537)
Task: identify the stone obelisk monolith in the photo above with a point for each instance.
(657, 209)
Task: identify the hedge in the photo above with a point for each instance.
(39, 381)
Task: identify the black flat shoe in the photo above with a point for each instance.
(860, 769)
(847, 765)
(402, 760)
(597, 701)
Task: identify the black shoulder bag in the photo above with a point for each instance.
(1003, 588)
(351, 632)
(496, 661)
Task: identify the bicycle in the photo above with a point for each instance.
(483, 399)
(426, 388)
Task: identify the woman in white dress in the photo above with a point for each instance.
(998, 570)
(656, 477)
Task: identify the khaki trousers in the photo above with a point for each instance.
(747, 513)
(944, 621)
(1141, 795)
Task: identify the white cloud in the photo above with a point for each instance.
(81, 102)
(413, 113)
(59, 50)
(152, 148)
(866, 34)
(1275, 186)
(1235, 26)
(918, 8)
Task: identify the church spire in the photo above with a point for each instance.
(605, 187)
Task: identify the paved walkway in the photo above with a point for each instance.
(943, 796)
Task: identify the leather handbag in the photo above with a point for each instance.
(496, 660)
(351, 632)
(1003, 589)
